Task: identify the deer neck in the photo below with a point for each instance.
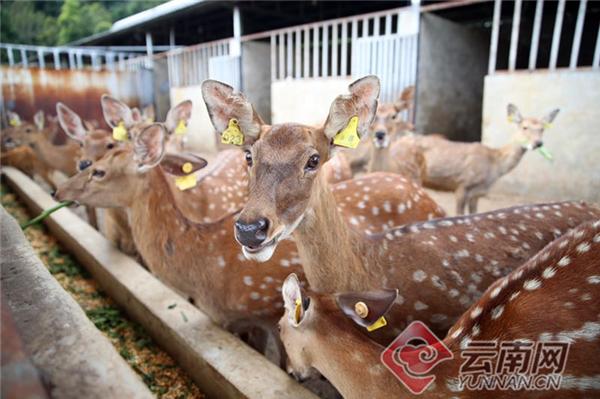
(328, 248)
(380, 159)
(509, 156)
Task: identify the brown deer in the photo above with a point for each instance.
(441, 266)
(40, 136)
(470, 169)
(553, 297)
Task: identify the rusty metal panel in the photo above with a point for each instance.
(28, 90)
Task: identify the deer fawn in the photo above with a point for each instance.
(553, 297)
(440, 266)
(470, 169)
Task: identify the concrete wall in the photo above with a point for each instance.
(452, 64)
(256, 76)
(573, 138)
(305, 100)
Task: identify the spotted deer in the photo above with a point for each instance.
(552, 297)
(39, 136)
(440, 266)
(470, 169)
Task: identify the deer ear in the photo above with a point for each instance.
(38, 119)
(548, 119)
(148, 114)
(178, 117)
(182, 164)
(70, 122)
(367, 309)
(513, 114)
(13, 119)
(295, 304)
(231, 113)
(360, 104)
(149, 146)
(116, 112)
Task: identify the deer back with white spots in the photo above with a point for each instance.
(553, 297)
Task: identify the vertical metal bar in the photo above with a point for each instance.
(56, 57)
(376, 31)
(560, 11)
(344, 54)
(334, 49)
(514, 36)
(24, 61)
(352, 45)
(289, 52)
(306, 51)
(273, 58)
(535, 37)
(365, 27)
(11, 56)
(298, 56)
(281, 57)
(596, 61)
(315, 59)
(398, 22)
(388, 24)
(494, 41)
(172, 37)
(41, 61)
(578, 32)
(325, 49)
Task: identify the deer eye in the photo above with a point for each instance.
(98, 173)
(110, 146)
(248, 155)
(312, 163)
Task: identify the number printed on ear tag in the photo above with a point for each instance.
(348, 136)
(233, 134)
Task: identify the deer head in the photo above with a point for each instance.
(530, 130)
(388, 121)
(284, 160)
(94, 142)
(307, 315)
(116, 178)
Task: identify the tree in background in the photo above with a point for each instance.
(59, 22)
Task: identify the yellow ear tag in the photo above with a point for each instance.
(189, 180)
(119, 133)
(381, 322)
(547, 125)
(510, 118)
(348, 136)
(298, 310)
(149, 120)
(14, 122)
(233, 134)
(181, 128)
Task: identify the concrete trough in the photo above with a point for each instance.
(222, 365)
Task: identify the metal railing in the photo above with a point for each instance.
(25, 56)
(191, 65)
(533, 63)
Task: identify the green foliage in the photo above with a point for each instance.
(59, 22)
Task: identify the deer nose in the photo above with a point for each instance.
(537, 144)
(252, 234)
(380, 135)
(83, 164)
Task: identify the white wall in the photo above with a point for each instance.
(201, 134)
(305, 101)
(573, 139)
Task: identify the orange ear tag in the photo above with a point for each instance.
(381, 322)
(189, 180)
(298, 311)
(233, 134)
(348, 136)
(181, 128)
(119, 133)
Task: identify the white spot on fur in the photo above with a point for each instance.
(593, 279)
(419, 276)
(248, 280)
(564, 261)
(549, 272)
(497, 311)
(583, 247)
(531, 285)
(420, 306)
(476, 312)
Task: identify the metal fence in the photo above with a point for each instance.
(533, 62)
(191, 65)
(117, 58)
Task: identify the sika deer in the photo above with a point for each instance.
(551, 298)
(440, 267)
(39, 136)
(470, 169)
